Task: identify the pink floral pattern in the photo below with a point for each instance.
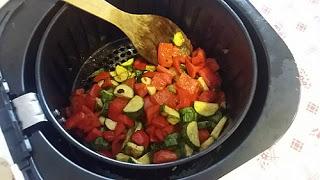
(297, 154)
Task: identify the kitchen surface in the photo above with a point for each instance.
(296, 154)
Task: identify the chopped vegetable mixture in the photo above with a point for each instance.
(141, 113)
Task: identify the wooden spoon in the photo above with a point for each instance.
(144, 31)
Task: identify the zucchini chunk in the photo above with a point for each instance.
(134, 105)
(145, 159)
(129, 62)
(151, 90)
(122, 157)
(110, 124)
(207, 143)
(124, 90)
(192, 135)
(205, 109)
(188, 150)
(133, 150)
(173, 116)
(217, 130)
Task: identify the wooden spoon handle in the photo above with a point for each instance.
(104, 10)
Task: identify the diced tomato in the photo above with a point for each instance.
(79, 91)
(211, 78)
(164, 156)
(108, 135)
(203, 135)
(212, 64)
(106, 153)
(152, 112)
(107, 83)
(116, 145)
(161, 80)
(148, 103)
(130, 82)
(101, 76)
(74, 120)
(90, 120)
(164, 70)
(185, 98)
(176, 52)
(169, 129)
(140, 138)
(77, 101)
(95, 90)
(148, 74)
(150, 130)
(140, 89)
(93, 134)
(187, 83)
(116, 107)
(198, 56)
(208, 96)
(165, 52)
(90, 102)
(124, 119)
(193, 69)
(160, 122)
(159, 134)
(165, 97)
(139, 64)
(176, 63)
(120, 128)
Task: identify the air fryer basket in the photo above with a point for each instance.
(73, 36)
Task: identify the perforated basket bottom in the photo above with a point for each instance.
(108, 57)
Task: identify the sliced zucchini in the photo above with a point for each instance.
(122, 157)
(203, 84)
(133, 149)
(123, 90)
(138, 126)
(178, 39)
(100, 83)
(120, 69)
(171, 88)
(150, 68)
(129, 62)
(106, 96)
(99, 103)
(133, 160)
(151, 90)
(134, 105)
(110, 124)
(128, 136)
(206, 143)
(173, 116)
(131, 75)
(192, 134)
(135, 115)
(188, 114)
(205, 108)
(121, 77)
(113, 73)
(145, 159)
(188, 150)
(102, 120)
(217, 130)
(146, 80)
(115, 83)
(171, 140)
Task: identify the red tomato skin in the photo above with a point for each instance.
(165, 52)
(152, 112)
(116, 107)
(165, 97)
(130, 82)
(116, 145)
(160, 122)
(140, 89)
(92, 135)
(164, 70)
(140, 138)
(212, 79)
(120, 128)
(107, 83)
(198, 56)
(164, 156)
(124, 119)
(208, 96)
(101, 76)
(108, 135)
(212, 64)
(159, 134)
(106, 153)
(203, 135)
(139, 64)
(148, 74)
